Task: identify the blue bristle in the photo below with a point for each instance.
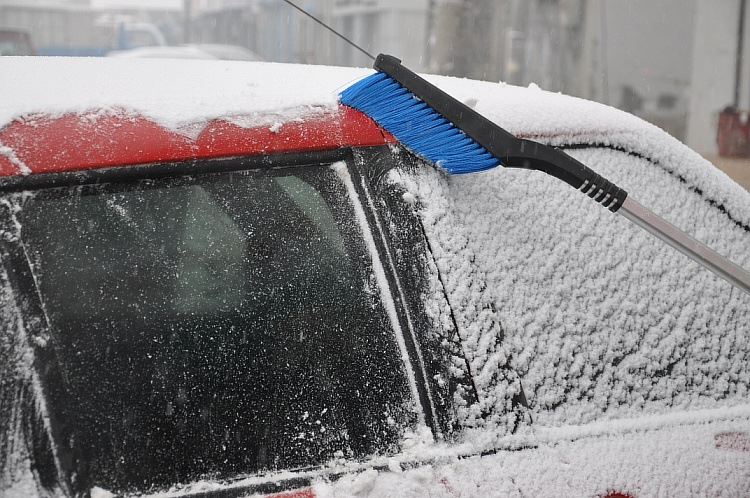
(416, 125)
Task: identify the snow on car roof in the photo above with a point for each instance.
(173, 93)
(178, 92)
(576, 290)
(189, 52)
(183, 95)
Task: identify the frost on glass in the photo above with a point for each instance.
(215, 326)
(603, 320)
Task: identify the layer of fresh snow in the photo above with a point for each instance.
(23, 410)
(180, 94)
(177, 94)
(601, 318)
(10, 154)
(704, 453)
(183, 94)
(170, 52)
(386, 294)
(670, 460)
(480, 330)
(598, 320)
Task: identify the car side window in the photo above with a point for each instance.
(214, 325)
(459, 332)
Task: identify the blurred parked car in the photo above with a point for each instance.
(198, 51)
(165, 52)
(228, 52)
(216, 281)
(15, 43)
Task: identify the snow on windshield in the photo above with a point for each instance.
(601, 320)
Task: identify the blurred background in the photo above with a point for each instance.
(683, 65)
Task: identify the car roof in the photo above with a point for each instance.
(227, 52)
(184, 97)
(167, 52)
(178, 93)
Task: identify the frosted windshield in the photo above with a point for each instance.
(215, 326)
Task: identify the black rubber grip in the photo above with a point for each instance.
(512, 152)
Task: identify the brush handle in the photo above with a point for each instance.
(555, 162)
(687, 245)
(512, 152)
(520, 153)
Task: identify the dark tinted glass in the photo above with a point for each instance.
(215, 326)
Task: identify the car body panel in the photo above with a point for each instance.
(14, 42)
(617, 340)
(73, 142)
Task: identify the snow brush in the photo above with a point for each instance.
(435, 126)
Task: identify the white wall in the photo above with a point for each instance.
(403, 34)
(389, 26)
(649, 45)
(712, 86)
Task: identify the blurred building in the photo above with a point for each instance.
(635, 55)
(270, 28)
(53, 26)
(277, 32)
(388, 26)
(671, 62)
(90, 27)
(718, 50)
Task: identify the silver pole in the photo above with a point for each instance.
(684, 243)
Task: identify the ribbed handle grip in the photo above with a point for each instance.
(512, 152)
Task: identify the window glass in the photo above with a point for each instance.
(14, 48)
(214, 326)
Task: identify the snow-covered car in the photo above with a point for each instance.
(217, 281)
(13, 42)
(189, 51)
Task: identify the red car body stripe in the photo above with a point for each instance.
(76, 142)
(303, 493)
(6, 167)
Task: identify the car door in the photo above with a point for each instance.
(217, 319)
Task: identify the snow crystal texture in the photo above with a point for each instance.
(681, 460)
(594, 318)
(601, 319)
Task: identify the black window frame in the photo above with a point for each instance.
(365, 165)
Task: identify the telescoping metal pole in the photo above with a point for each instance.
(684, 243)
(482, 145)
